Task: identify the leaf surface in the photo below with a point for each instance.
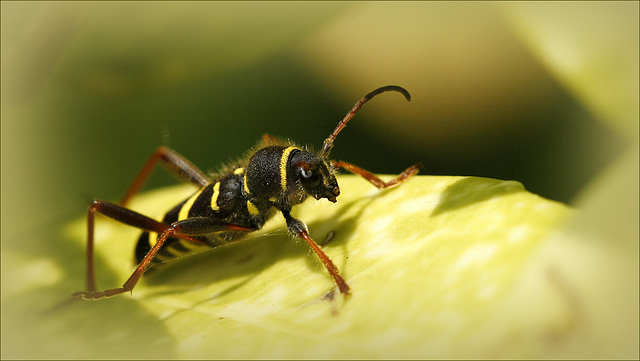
(428, 262)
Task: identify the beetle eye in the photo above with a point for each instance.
(308, 175)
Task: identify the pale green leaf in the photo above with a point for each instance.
(430, 264)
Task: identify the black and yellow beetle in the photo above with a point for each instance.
(240, 199)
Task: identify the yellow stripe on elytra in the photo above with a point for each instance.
(214, 196)
(190, 248)
(252, 208)
(184, 211)
(153, 236)
(283, 166)
(178, 253)
(246, 187)
(239, 171)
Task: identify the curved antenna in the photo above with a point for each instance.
(328, 143)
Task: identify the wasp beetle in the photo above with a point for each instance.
(240, 199)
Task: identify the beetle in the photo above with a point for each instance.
(276, 176)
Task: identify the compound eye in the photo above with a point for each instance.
(308, 175)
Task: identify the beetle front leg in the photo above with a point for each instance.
(299, 229)
(373, 179)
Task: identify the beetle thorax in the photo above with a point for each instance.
(286, 176)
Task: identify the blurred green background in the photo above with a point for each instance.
(542, 93)
(90, 89)
(545, 94)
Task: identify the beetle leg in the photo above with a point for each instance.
(373, 179)
(175, 163)
(123, 215)
(186, 229)
(298, 228)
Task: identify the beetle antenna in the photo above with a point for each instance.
(328, 143)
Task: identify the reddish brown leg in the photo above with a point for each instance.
(92, 294)
(125, 216)
(408, 173)
(300, 229)
(175, 163)
(187, 229)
